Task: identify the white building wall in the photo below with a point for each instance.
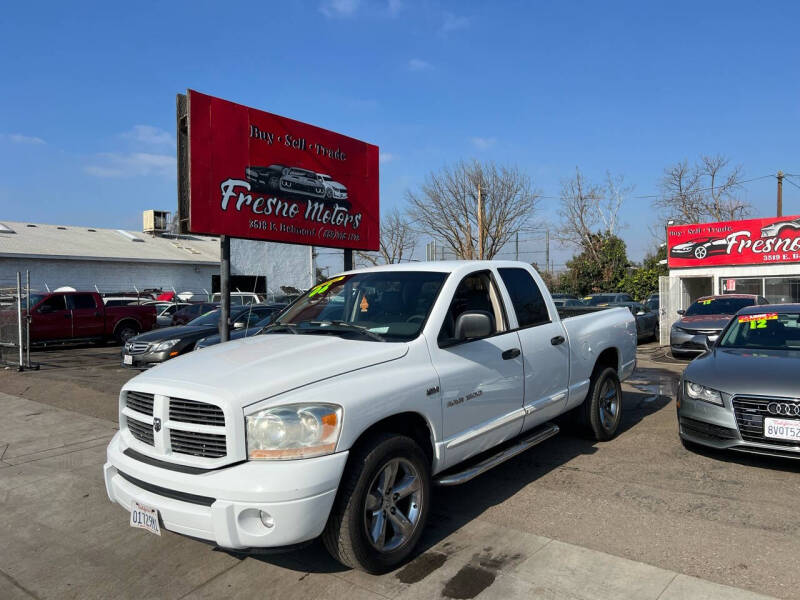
(108, 276)
(281, 264)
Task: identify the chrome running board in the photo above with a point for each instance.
(539, 435)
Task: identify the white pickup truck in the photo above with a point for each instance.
(362, 394)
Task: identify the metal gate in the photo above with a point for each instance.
(14, 330)
(669, 302)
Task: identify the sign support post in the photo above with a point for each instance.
(348, 259)
(224, 287)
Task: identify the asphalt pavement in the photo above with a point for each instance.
(637, 517)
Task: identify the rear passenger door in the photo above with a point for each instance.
(545, 348)
(88, 320)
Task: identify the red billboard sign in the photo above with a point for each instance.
(260, 176)
(749, 242)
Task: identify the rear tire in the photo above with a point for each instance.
(365, 513)
(601, 412)
(125, 331)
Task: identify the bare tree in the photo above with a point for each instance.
(706, 191)
(588, 209)
(398, 240)
(476, 208)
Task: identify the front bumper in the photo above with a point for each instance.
(222, 505)
(715, 426)
(145, 360)
(681, 341)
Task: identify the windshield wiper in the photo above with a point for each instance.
(278, 326)
(345, 325)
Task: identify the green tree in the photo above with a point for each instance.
(600, 267)
(643, 281)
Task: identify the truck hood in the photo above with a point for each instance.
(739, 371)
(245, 371)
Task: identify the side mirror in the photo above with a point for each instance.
(681, 312)
(45, 309)
(702, 340)
(239, 325)
(473, 324)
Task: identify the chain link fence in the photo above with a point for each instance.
(14, 330)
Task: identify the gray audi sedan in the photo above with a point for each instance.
(743, 393)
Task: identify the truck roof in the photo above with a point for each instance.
(445, 266)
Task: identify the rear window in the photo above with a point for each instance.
(78, 301)
(525, 296)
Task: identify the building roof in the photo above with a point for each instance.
(69, 242)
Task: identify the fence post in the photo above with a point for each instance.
(19, 320)
(27, 318)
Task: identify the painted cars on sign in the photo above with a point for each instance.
(700, 248)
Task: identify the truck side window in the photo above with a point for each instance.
(475, 292)
(526, 297)
(81, 301)
(55, 303)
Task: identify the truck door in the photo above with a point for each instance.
(88, 319)
(545, 348)
(51, 320)
(480, 378)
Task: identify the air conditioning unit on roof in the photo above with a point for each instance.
(155, 221)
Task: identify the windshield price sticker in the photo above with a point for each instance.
(323, 287)
(759, 317)
(706, 302)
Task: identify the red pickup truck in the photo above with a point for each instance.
(73, 316)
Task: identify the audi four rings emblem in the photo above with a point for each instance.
(780, 408)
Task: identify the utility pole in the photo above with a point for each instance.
(480, 223)
(780, 193)
(547, 251)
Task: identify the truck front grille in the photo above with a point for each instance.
(140, 402)
(141, 431)
(207, 445)
(189, 411)
(750, 413)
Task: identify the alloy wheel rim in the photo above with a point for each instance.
(609, 404)
(393, 505)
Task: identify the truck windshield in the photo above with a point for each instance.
(381, 306)
(780, 331)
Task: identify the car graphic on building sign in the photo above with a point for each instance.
(333, 189)
(773, 229)
(700, 248)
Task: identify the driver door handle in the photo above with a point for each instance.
(509, 354)
(559, 339)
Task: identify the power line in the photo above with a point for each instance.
(792, 182)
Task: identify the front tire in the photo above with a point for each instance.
(602, 409)
(382, 504)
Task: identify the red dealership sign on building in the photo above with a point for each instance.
(260, 176)
(749, 242)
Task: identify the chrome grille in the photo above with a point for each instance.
(136, 347)
(140, 402)
(207, 445)
(141, 431)
(189, 411)
(750, 413)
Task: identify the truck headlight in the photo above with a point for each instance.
(165, 345)
(293, 431)
(700, 392)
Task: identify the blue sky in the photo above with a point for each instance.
(87, 107)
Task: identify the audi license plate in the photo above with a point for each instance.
(145, 517)
(782, 429)
(127, 359)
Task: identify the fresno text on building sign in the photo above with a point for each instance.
(749, 242)
(256, 175)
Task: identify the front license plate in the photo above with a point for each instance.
(127, 359)
(144, 517)
(782, 429)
